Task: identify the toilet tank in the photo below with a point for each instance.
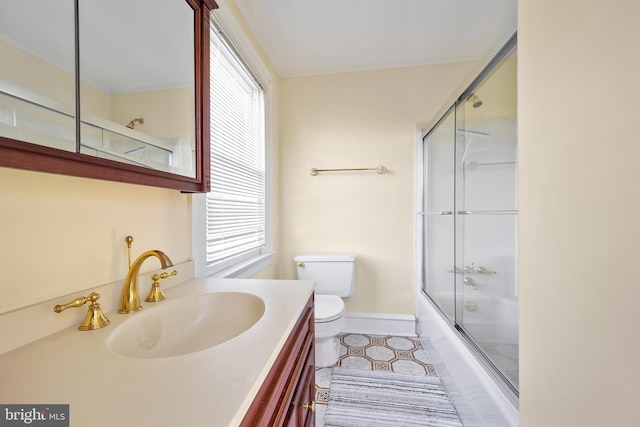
(334, 274)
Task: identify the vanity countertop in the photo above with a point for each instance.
(212, 387)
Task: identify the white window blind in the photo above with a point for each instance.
(235, 217)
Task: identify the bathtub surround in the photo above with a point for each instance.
(382, 399)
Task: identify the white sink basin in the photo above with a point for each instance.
(187, 325)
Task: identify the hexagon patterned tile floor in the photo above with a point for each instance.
(373, 352)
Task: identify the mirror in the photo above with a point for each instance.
(137, 89)
(37, 77)
(136, 86)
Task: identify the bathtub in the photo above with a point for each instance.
(480, 398)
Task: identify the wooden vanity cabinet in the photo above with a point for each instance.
(287, 394)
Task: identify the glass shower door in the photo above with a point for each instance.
(439, 263)
(470, 217)
(486, 218)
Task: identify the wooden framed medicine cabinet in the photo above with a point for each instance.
(118, 93)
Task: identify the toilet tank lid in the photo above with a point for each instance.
(325, 258)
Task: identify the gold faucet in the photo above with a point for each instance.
(130, 297)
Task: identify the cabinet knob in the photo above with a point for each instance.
(311, 407)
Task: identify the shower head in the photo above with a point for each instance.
(476, 102)
(134, 122)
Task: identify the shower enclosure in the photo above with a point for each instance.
(470, 217)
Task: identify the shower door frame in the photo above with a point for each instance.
(421, 227)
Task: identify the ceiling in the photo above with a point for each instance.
(304, 37)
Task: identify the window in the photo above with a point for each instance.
(235, 207)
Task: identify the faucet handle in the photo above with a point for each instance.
(165, 274)
(94, 319)
(78, 302)
(483, 270)
(156, 293)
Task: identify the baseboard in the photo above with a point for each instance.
(381, 324)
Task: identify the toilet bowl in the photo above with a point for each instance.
(334, 276)
(329, 322)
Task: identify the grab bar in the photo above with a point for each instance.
(380, 169)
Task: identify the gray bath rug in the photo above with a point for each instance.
(359, 398)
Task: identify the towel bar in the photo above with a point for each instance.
(380, 169)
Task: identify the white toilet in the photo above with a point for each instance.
(335, 277)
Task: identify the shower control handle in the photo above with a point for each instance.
(470, 282)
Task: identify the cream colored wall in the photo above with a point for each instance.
(167, 113)
(62, 235)
(579, 216)
(360, 119)
(55, 83)
(36, 74)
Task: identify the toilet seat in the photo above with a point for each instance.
(328, 308)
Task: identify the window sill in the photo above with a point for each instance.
(246, 269)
